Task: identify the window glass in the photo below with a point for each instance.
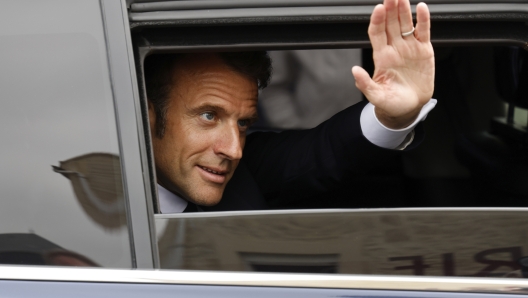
(60, 180)
(479, 243)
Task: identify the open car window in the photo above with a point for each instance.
(445, 179)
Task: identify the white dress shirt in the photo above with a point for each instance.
(372, 129)
(170, 202)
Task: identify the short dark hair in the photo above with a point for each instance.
(159, 69)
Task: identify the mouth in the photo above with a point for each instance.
(214, 175)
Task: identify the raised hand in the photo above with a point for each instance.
(403, 78)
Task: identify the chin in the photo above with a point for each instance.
(209, 202)
(207, 198)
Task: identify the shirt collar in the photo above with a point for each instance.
(170, 202)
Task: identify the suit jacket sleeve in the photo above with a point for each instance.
(303, 162)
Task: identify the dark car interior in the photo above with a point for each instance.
(475, 152)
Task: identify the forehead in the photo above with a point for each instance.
(206, 76)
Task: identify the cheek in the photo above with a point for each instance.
(194, 140)
(164, 151)
(168, 148)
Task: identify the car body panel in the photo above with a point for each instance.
(17, 289)
(155, 278)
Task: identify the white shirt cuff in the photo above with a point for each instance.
(382, 136)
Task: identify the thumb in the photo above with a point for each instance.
(363, 81)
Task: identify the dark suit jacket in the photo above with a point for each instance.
(278, 167)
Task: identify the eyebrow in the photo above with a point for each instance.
(207, 107)
(214, 108)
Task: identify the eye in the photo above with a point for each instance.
(243, 123)
(208, 116)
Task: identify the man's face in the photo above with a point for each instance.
(209, 110)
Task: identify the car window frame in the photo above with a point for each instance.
(136, 180)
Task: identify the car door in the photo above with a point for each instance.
(72, 84)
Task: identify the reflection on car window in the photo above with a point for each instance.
(61, 185)
(479, 243)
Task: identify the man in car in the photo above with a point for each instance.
(201, 104)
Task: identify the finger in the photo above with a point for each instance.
(423, 23)
(393, 22)
(406, 21)
(376, 30)
(363, 81)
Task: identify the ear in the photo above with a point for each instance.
(152, 118)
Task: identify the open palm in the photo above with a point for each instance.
(403, 80)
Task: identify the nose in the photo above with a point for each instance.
(229, 143)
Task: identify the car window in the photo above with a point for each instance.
(61, 183)
(329, 233)
(471, 156)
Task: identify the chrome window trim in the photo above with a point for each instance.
(130, 132)
(319, 211)
(371, 282)
(249, 13)
(144, 6)
(351, 10)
